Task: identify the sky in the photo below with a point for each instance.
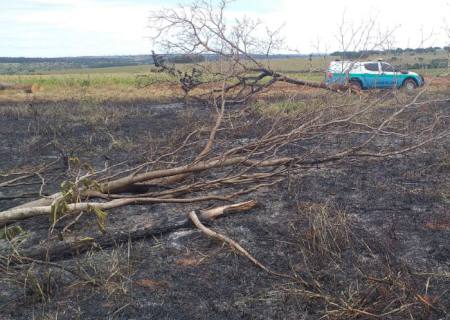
(57, 28)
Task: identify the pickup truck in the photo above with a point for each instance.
(371, 75)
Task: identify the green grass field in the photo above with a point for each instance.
(141, 81)
(124, 76)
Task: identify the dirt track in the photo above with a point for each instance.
(397, 210)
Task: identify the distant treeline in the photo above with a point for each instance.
(432, 64)
(85, 62)
(21, 65)
(109, 61)
(398, 51)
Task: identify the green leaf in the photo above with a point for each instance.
(101, 217)
(11, 232)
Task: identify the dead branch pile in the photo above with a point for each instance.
(243, 152)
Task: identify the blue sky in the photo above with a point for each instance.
(53, 28)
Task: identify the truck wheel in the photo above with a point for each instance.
(409, 85)
(355, 85)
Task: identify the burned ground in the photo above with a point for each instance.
(369, 236)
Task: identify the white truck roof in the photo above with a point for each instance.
(338, 66)
(343, 66)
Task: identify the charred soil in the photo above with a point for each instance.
(370, 237)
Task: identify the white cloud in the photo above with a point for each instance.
(58, 2)
(88, 27)
(96, 27)
(305, 23)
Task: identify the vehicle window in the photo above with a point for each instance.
(387, 67)
(371, 66)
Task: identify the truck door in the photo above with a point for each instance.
(389, 77)
(372, 75)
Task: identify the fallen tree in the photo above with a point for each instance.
(263, 161)
(157, 227)
(236, 50)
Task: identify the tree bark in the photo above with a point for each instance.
(160, 226)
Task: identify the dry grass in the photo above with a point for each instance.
(158, 93)
(349, 280)
(106, 272)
